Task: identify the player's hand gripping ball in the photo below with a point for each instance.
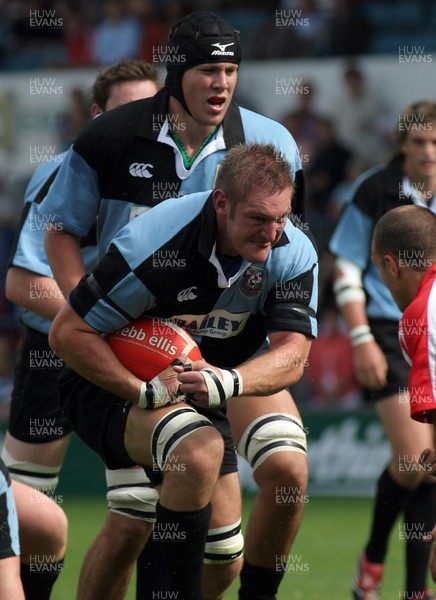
(147, 346)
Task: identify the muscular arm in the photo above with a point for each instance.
(86, 351)
(63, 253)
(280, 367)
(39, 294)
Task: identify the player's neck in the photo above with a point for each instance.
(189, 132)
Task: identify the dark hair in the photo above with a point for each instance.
(249, 166)
(408, 231)
(125, 70)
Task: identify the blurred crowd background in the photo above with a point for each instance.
(99, 33)
(336, 145)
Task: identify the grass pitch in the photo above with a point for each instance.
(322, 562)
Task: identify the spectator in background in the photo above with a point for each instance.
(77, 31)
(311, 28)
(350, 31)
(358, 115)
(117, 36)
(155, 23)
(326, 170)
(303, 122)
(72, 122)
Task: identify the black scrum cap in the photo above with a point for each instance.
(200, 37)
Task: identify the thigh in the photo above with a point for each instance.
(48, 454)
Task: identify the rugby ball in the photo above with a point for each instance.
(149, 345)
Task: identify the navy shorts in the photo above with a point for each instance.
(35, 414)
(99, 419)
(385, 333)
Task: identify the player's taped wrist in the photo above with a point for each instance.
(219, 389)
(154, 394)
(360, 335)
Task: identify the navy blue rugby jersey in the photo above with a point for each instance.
(28, 251)
(125, 162)
(376, 192)
(164, 264)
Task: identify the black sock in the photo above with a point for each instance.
(182, 536)
(259, 583)
(151, 571)
(38, 579)
(390, 500)
(419, 520)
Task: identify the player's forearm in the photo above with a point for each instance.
(281, 367)
(349, 295)
(84, 350)
(41, 295)
(65, 258)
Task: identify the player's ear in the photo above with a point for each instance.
(220, 202)
(392, 265)
(96, 110)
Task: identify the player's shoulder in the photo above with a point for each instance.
(169, 215)
(383, 176)
(145, 234)
(43, 174)
(297, 247)
(115, 123)
(264, 129)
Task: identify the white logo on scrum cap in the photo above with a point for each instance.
(222, 49)
(140, 170)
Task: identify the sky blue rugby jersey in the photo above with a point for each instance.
(376, 192)
(126, 162)
(28, 250)
(164, 264)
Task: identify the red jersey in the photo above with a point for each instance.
(418, 342)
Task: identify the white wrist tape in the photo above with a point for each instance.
(348, 286)
(222, 388)
(360, 334)
(154, 394)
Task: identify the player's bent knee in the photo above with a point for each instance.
(271, 433)
(224, 544)
(42, 478)
(173, 429)
(43, 523)
(131, 494)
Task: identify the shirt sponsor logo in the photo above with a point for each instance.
(222, 49)
(219, 323)
(140, 170)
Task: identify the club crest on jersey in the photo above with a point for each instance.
(252, 281)
(222, 49)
